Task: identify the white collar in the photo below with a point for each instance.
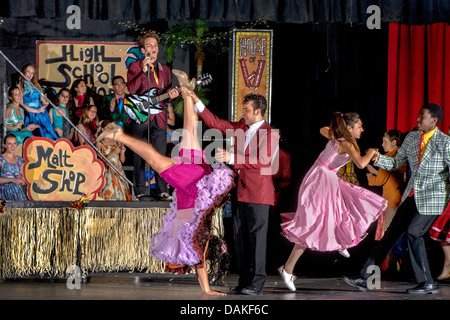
(255, 126)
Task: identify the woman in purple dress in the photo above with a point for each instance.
(185, 238)
(332, 214)
(11, 179)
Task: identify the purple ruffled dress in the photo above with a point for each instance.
(332, 214)
(199, 190)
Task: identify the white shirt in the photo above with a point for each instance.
(249, 134)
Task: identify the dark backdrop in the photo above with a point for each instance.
(325, 59)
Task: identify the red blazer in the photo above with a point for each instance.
(282, 177)
(137, 83)
(255, 183)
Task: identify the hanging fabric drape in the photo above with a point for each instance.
(418, 73)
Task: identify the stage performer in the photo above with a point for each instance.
(15, 117)
(33, 99)
(11, 179)
(59, 123)
(252, 159)
(112, 105)
(115, 188)
(88, 126)
(392, 182)
(185, 238)
(160, 77)
(427, 151)
(332, 214)
(81, 98)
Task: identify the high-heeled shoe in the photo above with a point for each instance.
(115, 128)
(184, 80)
(445, 273)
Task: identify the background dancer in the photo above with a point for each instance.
(332, 214)
(427, 151)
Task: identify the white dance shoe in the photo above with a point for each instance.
(344, 253)
(287, 278)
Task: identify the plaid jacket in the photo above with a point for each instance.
(430, 180)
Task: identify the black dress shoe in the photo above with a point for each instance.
(424, 288)
(251, 291)
(236, 290)
(359, 283)
(145, 197)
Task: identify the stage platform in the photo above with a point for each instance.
(44, 239)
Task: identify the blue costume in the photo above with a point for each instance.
(31, 97)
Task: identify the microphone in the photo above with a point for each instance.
(148, 64)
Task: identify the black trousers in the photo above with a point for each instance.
(407, 221)
(159, 141)
(250, 224)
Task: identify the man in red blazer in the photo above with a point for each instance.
(160, 77)
(252, 157)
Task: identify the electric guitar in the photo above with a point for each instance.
(139, 107)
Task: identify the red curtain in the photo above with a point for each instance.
(418, 73)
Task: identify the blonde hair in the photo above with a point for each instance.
(85, 121)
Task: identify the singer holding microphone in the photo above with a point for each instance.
(143, 75)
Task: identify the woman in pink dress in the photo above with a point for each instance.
(332, 214)
(185, 239)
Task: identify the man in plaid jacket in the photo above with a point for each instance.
(427, 150)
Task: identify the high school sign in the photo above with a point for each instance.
(62, 62)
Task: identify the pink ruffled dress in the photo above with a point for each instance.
(332, 214)
(199, 190)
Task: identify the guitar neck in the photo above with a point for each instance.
(158, 99)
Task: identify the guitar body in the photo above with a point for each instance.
(138, 107)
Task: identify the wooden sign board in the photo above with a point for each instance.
(62, 62)
(252, 68)
(58, 171)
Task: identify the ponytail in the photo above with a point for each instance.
(338, 127)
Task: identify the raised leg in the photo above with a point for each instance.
(157, 161)
(190, 123)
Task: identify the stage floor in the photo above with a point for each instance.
(142, 286)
